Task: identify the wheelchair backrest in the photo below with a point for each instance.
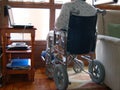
(81, 38)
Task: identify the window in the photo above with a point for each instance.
(37, 17)
(41, 13)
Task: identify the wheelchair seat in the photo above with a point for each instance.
(81, 38)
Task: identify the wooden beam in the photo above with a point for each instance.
(109, 6)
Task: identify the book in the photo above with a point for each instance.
(19, 63)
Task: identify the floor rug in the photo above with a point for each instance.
(82, 81)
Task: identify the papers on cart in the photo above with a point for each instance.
(18, 46)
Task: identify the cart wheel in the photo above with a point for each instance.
(78, 66)
(97, 71)
(60, 77)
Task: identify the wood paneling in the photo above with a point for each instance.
(39, 47)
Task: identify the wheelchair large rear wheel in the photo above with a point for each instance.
(97, 71)
(61, 77)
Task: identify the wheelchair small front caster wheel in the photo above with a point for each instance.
(97, 71)
(49, 71)
(61, 77)
(78, 66)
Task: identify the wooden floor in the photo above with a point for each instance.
(41, 82)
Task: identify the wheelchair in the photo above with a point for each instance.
(63, 47)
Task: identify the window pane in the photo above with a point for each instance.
(37, 17)
(61, 1)
(57, 12)
(20, 36)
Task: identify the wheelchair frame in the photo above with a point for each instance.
(57, 60)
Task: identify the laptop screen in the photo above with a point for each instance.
(10, 16)
(13, 24)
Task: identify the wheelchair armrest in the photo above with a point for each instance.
(64, 30)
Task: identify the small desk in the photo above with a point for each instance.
(6, 71)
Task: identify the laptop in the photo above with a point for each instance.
(12, 23)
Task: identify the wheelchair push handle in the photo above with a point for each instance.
(102, 11)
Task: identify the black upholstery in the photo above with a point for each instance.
(81, 34)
